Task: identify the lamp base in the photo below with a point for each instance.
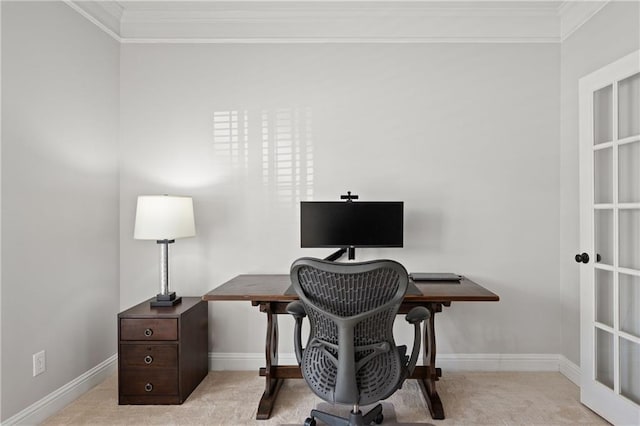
(164, 300)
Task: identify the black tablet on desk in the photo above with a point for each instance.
(426, 277)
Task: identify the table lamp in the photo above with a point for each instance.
(164, 218)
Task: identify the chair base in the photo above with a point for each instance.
(354, 419)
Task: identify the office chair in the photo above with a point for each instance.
(351, 357)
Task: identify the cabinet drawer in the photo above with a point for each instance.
(148, 356)
(148, 329)
(149, 382)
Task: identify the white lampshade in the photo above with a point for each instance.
(164, 217)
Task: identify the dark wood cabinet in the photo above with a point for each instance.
(162, 352)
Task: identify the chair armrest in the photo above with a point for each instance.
(299, 312)
(296, 309)
(416, 316)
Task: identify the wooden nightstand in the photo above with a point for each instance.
(162, 352)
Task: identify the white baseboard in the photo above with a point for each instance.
(570, 370)
(231, 361)
(498, 362)
(451, 362)
(58, 399)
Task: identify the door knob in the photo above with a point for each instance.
(584, 258)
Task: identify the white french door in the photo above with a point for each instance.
(610, 238)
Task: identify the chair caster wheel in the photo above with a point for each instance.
(379, 418)
(310, 421)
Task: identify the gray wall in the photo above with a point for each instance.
(611, 34)
(466, 135)
(60, 284)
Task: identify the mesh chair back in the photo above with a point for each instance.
(351, 305)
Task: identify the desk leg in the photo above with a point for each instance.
(272, 384)
(428, 383)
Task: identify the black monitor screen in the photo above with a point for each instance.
(351, 224)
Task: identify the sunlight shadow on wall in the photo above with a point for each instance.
(231, 137)
(287, 153)
(276, 144)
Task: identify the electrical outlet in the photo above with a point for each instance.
(39, 363)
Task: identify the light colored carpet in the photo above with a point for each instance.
(231, 398)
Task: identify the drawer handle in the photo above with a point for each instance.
(148, 332)
(148, 359)
(148, 387)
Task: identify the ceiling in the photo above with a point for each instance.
(309, 21)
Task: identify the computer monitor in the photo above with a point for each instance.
(351, 224)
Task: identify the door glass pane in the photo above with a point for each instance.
(604, 297)
(604, 235)
(630, 304)
(630, 238)
(629, 172)
(603, 175)
(603, 115)
(629, 106)
(630, 369)
(604, 357)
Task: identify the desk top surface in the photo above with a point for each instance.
(271, 288)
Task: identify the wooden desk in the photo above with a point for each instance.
(267, 292)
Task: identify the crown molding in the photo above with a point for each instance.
(339, 40)
(346, 21)
(574, 14)
(342, 22)
(106, 15)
